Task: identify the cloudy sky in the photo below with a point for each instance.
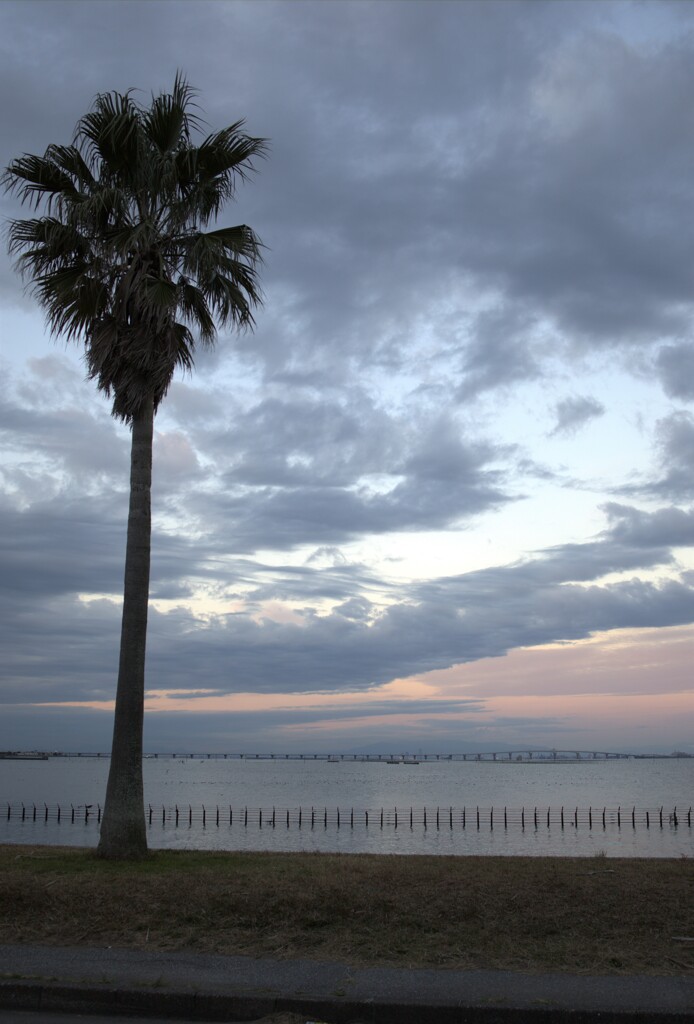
(443, 497)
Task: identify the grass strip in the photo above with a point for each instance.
(580, 915)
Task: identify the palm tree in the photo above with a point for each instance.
(122, 261)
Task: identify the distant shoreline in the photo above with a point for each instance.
(523, 756)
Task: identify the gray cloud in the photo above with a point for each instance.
(675, 364)
(500, 352)
(667, 527)
(675, 444)
(314, 474)
(573, 413)
(558, 595)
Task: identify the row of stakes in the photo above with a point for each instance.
(462, 817)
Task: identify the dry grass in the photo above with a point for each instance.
(598, 915)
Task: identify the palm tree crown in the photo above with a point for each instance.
(121, 259)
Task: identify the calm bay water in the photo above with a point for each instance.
(194, 783)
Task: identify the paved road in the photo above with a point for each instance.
(44, 1017)
(30, 1017)
(232, 987)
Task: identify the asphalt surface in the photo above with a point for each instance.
(46, 1017)
(195, 987)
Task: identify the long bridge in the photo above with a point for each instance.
(521, 754)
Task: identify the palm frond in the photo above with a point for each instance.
(184, 344)
(110, 132)
(229, 150)
(194, 308)
(73, 300)
(240, 240)
(157, 300)
(37, 178)
(70, 160)
(131, 238)
(45, 234)
(165, 124)
(169, 120)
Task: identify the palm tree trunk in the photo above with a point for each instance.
(123, 833)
